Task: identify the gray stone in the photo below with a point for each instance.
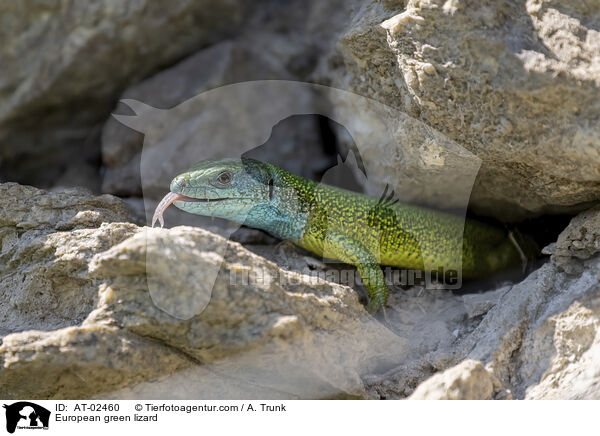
(113, 310)
(468, 380)
(514, 83)
(46, 239)
(65, 63)
(80, 361)
(478, 304)
(578, 242)
(88, 289)
(29, 208)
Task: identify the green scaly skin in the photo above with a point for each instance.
(334, 223)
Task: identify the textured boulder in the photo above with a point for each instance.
(80, 362)
(538, 338)
(88, 290)
(46, 241)
(578, 242)
(514, 83)
(186, 313)
(29, 208)
(468, 380)
(66, 62)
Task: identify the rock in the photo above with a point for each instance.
(29, 208)
(80, 361)
(284, 47)
(44, 275)
(275, 317)
(578, 242)
(516, 84)
(515, 338)
(89, 290)
(420, 164)
(468, 380)
(47, 239)
(45, 242)
(478, 304)
(185, 312)
(66, 63)
(541, 338)
(560, 357)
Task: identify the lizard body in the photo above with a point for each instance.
(335, 223)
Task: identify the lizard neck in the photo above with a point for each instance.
(285, 215)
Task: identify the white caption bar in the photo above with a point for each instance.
(166, 417)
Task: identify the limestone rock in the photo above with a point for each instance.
(560, 357)
(29, 208)
(66, 62)
(90, 291)
(468, 380)
(578, 242)
(541, 338)
(80, 361)
(113, 310)
(514, 83)
(46, 240)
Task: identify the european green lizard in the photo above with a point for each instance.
(335, 223)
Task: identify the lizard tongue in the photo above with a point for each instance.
(168, 200)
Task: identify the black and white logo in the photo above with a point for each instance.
(26, 415)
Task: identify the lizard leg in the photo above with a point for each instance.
(374, 281)
(353, 252)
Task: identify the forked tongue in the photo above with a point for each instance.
(168, 200)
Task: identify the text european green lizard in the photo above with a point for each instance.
(335, 223)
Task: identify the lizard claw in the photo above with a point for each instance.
(376, 306)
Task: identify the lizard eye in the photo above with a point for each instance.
(224, 178)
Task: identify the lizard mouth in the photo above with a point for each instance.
(171, 198)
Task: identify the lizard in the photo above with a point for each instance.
(351, 227)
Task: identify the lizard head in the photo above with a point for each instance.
(227, 188)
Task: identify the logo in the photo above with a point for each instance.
(26, 415)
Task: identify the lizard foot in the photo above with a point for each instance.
(378, 310)
(375, 305)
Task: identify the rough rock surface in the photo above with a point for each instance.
(47, 239)
(64, 63)
(76, 290)
(578, 242)
(515, 83)
(88, 289)
(541, 340)
(28, 208)
(469, 380)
